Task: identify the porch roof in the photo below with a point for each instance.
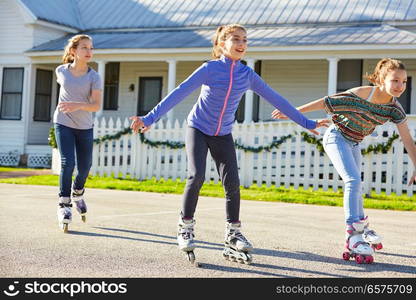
(276, 36)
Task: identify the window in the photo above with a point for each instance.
(150, 93)
(349, 74)
(239, 114)
(112, 71)
(404, 99)
(43, 96)
(11, 96)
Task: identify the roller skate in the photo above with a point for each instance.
(370, 236)
(186, 239)
(64, 213)
(78, 198)
(237, 247)
(357, 248)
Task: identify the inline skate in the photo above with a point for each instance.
(237, 247)
(64, 213)
(185, 239)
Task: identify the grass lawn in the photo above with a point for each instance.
(263, 193)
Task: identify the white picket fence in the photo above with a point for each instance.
(295, 163)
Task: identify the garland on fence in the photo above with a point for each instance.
(378, 148)
(274, 144)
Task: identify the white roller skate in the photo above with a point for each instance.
(370, 236)
(64, 213)
(237, 247)
(78, 197)
(185, 239)
(357, 248)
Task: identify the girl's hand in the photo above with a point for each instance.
(68, 107)
(137, 125)
(413, 178)
(277, 114)
(320, 123)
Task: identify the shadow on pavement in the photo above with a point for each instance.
(305, 256)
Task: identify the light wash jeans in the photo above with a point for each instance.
(346, 158)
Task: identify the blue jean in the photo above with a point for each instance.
(346, 157)
(69, 141)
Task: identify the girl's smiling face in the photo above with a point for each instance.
(394, 82)
(83, 52)
(235, 45)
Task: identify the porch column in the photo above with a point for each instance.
(248, 109)
(29, 77)
(171, 84)
(332, 75)
(101, 72)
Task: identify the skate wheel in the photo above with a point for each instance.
(191, 256)
(359, 259)
(249, 259)
(346, 256)
(378, 246)
(369, 259)
(84, 218)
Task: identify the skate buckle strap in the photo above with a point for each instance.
(359, 243)
(62, 205)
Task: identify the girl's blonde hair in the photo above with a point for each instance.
(73, 44)
(382, 68)
(221, 34)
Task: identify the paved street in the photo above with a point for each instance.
(132, 234)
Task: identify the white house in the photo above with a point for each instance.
(144, 48)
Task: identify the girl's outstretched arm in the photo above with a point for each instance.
(318, 104)
(410, 146)
(195, 80)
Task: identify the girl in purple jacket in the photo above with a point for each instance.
(223, 82)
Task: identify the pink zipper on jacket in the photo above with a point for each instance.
(226, 99)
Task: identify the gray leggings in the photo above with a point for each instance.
(223, 152)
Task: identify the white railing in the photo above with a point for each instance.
(295, 163)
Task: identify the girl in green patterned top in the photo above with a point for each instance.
(355, 114)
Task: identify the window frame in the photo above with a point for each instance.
(140, 102)
(37, 93)
(3, 93)
(111, 104)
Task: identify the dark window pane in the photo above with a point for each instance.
(12, 80)
(112, 72)
(11, 106)
(42, 108)
(150, 92)
(11, 98)
(349, 74)
(43, 95)
(405, 97)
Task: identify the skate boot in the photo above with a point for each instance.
(185, 239)
(64, 213)
(357, 248)
(237, 247)
(370, 236)
(78, 198)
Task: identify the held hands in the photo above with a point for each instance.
(137, 125)
(320, 123)
(277, 114)
(68, 107)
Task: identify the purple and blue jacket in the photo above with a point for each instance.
(223, 81)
